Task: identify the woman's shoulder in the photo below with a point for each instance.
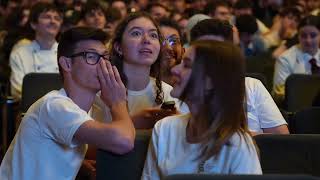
(241, 141)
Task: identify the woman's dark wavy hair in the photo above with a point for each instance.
(117, 59)
(222, 104)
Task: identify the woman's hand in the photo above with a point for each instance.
(146, 118)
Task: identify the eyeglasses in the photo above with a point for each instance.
(91, 58)
(171, 41)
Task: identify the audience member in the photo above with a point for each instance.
(51, 140)
(172, 49)
(135, 50)
(121, 5)
(219, 9)
(244, 7)
(284, 27)
(262, 112)
(250, 42)
(41, 54)
(303, 58)
(93, 15)
(214, 138)
(113, 17)
(158, 11)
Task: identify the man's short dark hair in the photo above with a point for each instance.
(91, 6)
(247, 24)
(113, 15)
(310, 20)
(170, 23)
(156, 4)
(213, 5)
(39, 8)
(291, 11)
(212, 27)
(70, 38)
(243, 4)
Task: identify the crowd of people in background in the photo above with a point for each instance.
(138, 56)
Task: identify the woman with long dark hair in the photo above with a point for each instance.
(135, 50)
(214, 137)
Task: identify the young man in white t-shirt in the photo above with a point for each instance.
(51, 140)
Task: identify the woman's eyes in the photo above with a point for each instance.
(135, 33)
(155, 35)
(138, 33)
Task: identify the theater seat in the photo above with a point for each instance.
(289, 154)
(239, 177)
(300, 91)
(124, 167)
(36, 85)
(306, 121)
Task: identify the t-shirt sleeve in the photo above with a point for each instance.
(60, 119)
(268, 112)
(245, 158)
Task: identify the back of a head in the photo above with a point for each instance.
(214, 27)
(246, 24)
(193, 21)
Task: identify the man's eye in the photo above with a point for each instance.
(91, 56)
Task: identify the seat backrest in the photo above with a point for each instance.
(300, 91)
(306, 121)
(239, 177)
(35, 85)
(124, 167)
(289, 154)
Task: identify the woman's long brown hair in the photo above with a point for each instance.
(217, 87)
(117, 59)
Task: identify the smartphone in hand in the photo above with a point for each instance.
(168, 105)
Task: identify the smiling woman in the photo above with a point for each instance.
(214, 137)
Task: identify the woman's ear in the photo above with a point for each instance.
(118, 48)
(65, 63)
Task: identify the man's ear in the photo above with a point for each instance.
(65, 63)
(183, 50)
(118, 48)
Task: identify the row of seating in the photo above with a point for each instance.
(279, 154)
(240, 177)
(300, 89)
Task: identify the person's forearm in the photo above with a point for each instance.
(122, 122)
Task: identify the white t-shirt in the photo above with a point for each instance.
(262, 110)
(43, 146)
(137, 101)
(170, 153)
(30, 58)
